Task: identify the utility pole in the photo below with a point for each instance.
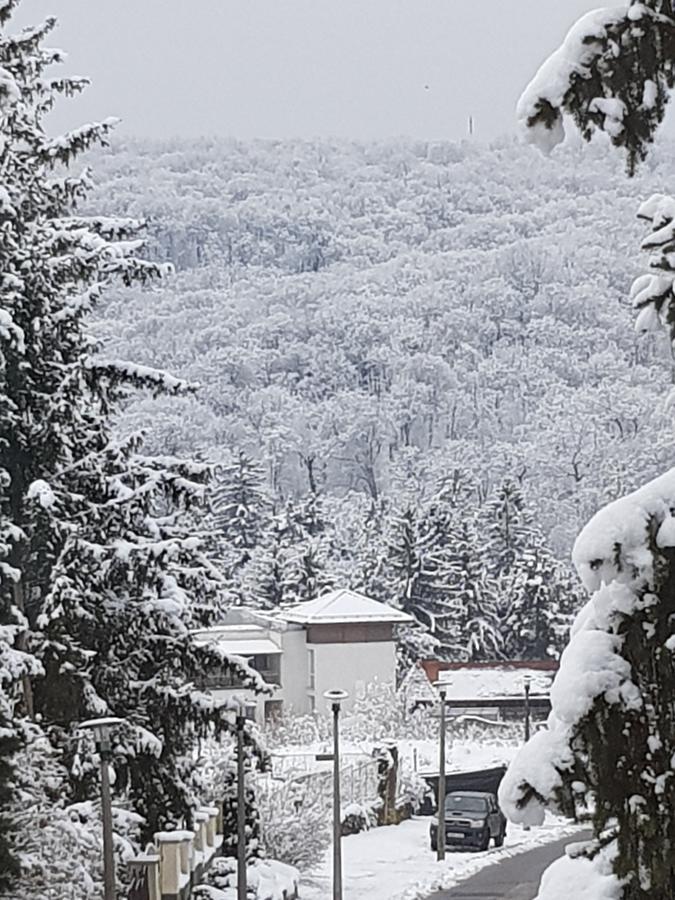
(336, 698)
(442, 687)
(241, 810)
(527, 680)
(102, 729)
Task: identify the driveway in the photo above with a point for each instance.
(514, 878)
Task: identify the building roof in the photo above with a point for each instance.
(252, 647)
(492, 681)
(239, 640)
(343, 606)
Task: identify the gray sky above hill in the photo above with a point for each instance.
(304, 68)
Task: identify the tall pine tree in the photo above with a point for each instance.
(98, 566)
(241, 509)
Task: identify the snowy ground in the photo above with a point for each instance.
(396, 863)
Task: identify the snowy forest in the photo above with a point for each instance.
(415, 363)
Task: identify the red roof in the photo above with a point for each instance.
(433, 666)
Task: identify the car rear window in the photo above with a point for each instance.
(466, 804)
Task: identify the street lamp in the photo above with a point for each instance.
(335, 698)
(102, 729)
(441, 687)
(245, 710)
(527, 681)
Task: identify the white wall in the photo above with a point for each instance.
(294, 674)
(350, 667)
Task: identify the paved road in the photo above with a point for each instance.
(515, 878)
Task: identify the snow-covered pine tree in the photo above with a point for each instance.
(613, 72)
(610, 741)
(305, 517)
(240, 508)
(535, 602)
(506, 528)
(12, 667)
(435, 600)
(96, 551)
(402, 561)
(652, 293)
(261, 581)
(474, 594)
(306, 575)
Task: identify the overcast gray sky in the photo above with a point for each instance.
(304, 68)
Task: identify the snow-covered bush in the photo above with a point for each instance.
(217, 783)
(295, 820)
(290, 730)
(355, 818)
(58, 843)
(574, 875)
(266, 879)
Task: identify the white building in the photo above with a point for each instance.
(342, 640)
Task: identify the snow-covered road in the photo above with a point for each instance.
(396, 863)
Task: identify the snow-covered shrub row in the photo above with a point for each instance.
(266, 879)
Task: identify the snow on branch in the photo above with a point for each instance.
(613, 72)
(141, 376)
(539, 107)
(615, 544)
(11, 332)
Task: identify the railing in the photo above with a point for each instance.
(177, 860)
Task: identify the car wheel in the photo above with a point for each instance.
(485, 840)
(499, 839)
(434, 845)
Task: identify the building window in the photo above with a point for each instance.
(312, 669)
(220, 679)
(273, 710)
(269, 666)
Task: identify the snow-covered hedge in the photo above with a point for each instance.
(267, 879)
(581, 878)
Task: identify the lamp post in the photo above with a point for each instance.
(245, 711)
(335, 698)
(527, 681)
(102, 729)
(441, 687)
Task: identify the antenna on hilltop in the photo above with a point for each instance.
(470, 126)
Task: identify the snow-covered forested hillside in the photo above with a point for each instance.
(381, 324)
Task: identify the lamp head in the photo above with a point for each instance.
(335, 697)
(101, 729)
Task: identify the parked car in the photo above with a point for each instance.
(472, 819)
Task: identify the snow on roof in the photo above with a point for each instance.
(218, 630)
(494, 681)
(342, 606)
(249, 647)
